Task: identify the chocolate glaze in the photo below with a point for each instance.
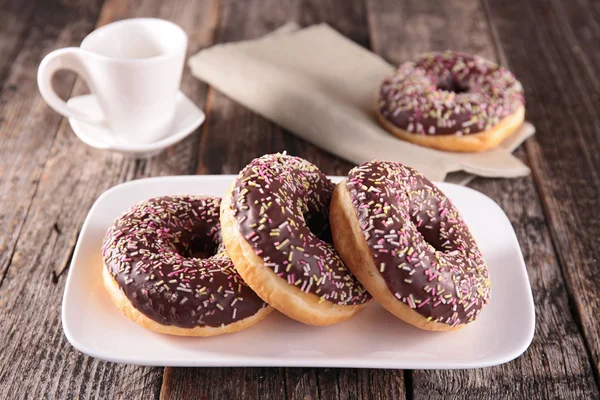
(281, 204)
(167, 257)
(449, 94)
(419, 242)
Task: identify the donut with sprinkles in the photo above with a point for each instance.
(408, 245)
(451, 101)
(166, 269)
(275, 227)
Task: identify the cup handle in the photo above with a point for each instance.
(70, 58)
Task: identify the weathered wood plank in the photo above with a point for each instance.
(233, 137)
(223, 383)
(56, 194)
(556, 364)
(302, 383)
(558, 66)
(14, 24)
(400, 32)
(27, 125)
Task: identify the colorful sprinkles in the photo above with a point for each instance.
(449, 93)
(281, 204)
(423, 248)
(160, 252)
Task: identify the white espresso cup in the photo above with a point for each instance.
(133, 67)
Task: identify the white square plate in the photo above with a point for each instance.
(371, 339)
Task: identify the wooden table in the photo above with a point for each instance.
(49, 180)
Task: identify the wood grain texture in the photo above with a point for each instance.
(14, 29)
(401, 32)
(223, 383)
(559, 68)
(555, 366)
(59, 179)
(27, 124)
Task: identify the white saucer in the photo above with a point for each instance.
(187, 118)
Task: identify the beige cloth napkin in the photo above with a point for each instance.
(323, 87)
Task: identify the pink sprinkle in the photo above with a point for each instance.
(421, 304)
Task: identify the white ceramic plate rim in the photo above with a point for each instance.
(252, 361)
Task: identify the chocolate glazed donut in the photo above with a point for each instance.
(275, 227)
(451, 101)
(408, 245)
(166, 269)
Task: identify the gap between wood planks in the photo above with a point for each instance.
(55, 275)
(408, 384)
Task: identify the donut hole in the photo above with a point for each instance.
(318, 225)
(432, 236)
(198, 247)
(451, 84)
(430, 232)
